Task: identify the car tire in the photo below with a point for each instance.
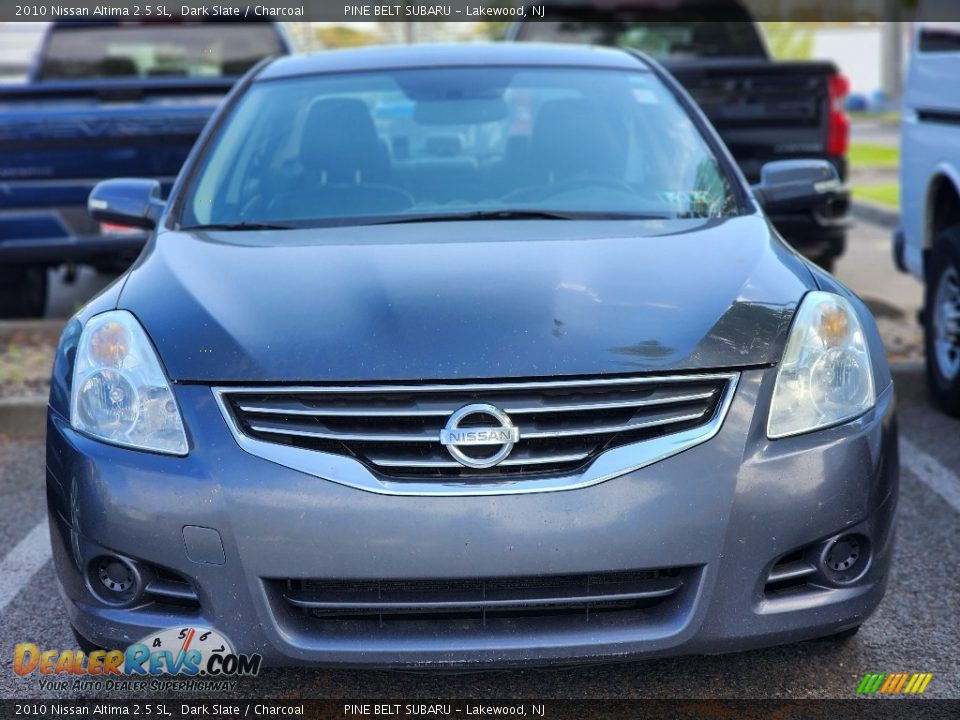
(23, 291)
(86, 645)
(847, 634)
(841, 636)
(941, 321)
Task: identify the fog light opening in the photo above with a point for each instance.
(115, 580)
(845, 559)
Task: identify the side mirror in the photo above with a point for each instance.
(796, 183)
(126, 201)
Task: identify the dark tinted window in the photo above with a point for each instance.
(939, 37)
(658, 33)
(157, 50)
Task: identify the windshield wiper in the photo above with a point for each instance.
(517, 215)
(478, 215)
(443, 217)
(241, 226)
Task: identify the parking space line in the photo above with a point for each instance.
(22, 563)
(931, 472)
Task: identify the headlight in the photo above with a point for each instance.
(826, 377)
(119, 392)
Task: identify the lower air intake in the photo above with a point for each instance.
(480, 599)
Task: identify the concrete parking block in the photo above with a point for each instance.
(44, 328)
(23, 417)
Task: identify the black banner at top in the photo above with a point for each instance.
(475, 10)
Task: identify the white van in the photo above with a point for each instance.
(928, 244)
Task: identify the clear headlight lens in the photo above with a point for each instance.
(826, 377)
(119, 392)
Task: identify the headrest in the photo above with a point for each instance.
(340, 142)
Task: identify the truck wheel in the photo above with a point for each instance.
(941, 325)
(23, 291)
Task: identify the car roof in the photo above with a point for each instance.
(384, 57)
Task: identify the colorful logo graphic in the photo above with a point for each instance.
(894, 683)
(188, 651)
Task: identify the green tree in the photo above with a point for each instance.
(341, 36)
(789, 40)
(491, 30)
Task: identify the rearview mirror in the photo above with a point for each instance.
(786, 183)
(466, 111)
(126, 201)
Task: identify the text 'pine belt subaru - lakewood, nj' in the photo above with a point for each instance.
(469, 355)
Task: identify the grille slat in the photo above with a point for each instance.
(515, 460)
(445, 408)
(297, 430)
(576, 594)
(170, 589)
(790, 571)
(395, 429)
(306, 599)
(529, 431)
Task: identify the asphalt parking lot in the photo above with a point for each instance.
(915, 629)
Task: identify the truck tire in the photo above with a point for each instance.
(23, 291)
(941, 321)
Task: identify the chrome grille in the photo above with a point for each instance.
(395, 430)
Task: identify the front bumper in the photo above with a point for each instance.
(725, 512)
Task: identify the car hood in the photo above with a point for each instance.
(481, 299)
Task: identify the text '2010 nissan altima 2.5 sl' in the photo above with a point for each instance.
(469, 355)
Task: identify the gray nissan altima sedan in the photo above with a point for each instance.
(452, 356)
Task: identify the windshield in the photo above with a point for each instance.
(430, 143)
(156, 50)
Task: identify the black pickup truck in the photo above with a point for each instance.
(763, 110)
(104, 99)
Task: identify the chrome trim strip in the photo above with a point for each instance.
(510, 461)
(278, 408)
(474, 387)
(791, 571)
(301, 599)
(167, 589)
(608, 465)
(344, 412)
(604, 429)
(431, 437)
(612, 405)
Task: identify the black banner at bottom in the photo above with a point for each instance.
(229, 709)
